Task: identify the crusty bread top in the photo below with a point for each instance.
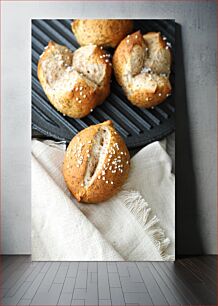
(102, 32)
(96, 163)
(75, 82)
(158, 57)
(142, 67)
(58, 63)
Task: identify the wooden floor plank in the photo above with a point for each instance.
(49, 277)
(190, 280)
(18, 295)
(151, 284)
(29, 275)
(16, 264)
(48, 298)
(208, 274)
(204, 292)
(165, 288)
(170, 270)
(170, 281)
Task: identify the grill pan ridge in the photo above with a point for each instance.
(137, 126)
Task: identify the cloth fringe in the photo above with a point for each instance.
(140, 209)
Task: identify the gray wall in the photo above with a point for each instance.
(196, 113)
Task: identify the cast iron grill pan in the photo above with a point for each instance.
(136, 125)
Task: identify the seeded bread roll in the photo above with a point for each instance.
(96, 163)
(142, 67)
(75, 83)
(101, 32)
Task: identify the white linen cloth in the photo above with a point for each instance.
(137, 224)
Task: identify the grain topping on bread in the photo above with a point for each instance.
(100, 164)
(142, 67)
(75, 82)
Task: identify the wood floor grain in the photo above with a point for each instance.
(188, 281)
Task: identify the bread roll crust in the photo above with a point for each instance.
(67, 85)
(101, 32)
(142, 67)
(111, 163)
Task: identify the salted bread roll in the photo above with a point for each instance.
(96, 163)
(75, 83)
(101, 32)
(142, 67)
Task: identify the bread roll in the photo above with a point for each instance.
(96, 163)
(75, 83)
(142, 67)
(101, 32)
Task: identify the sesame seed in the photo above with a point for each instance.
(77, 98)
(164, 38)
(100, 56)
(88, 155)
(167, 47)
(99, 177)
(76, 89)
(136, 36)
(107, 61)
(121, 153)
(84, 96)
(112, 183)
(159, 94)
(103, 178)
(110, 64)
(106, 182)
(89, 141)
(79, 101)
(146, 49)
(127, 41)
(82, 184)
(91, 110)
(101, 47)
(127, 162)
(146, 99)
(128, 36)
(87, 151)
(81, 88)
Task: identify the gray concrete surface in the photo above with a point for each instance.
(198, 33)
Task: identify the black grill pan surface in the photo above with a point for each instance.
(137, 126)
